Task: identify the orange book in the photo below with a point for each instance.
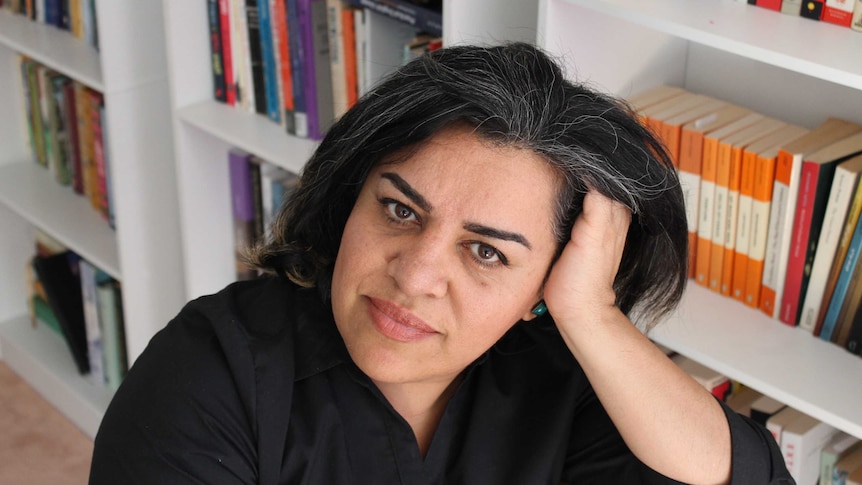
(707, 193)
(655, 114)
(671, 128)
(745, 226)
(690, 166)
(788, 166)
(348, 31)
(724, 220)
(658, 94)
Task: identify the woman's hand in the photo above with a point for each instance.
(580, 288)
(669, 421)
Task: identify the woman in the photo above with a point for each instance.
(456, 280)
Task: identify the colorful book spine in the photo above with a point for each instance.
(843, 187)
(255, 57)
(216, 50)
(739, 260)
(316, 81)
(282, 48)
(297, 55)
(838, 12)
(109, 299)
(73, 140)
(243, 208)
(270, 69)
(842, 286)
(224, 11)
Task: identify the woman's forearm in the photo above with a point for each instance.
(668, 420)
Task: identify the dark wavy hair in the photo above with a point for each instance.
(513, 95)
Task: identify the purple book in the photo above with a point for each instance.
(317, 78)
(242, 203)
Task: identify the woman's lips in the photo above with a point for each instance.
(396, 323)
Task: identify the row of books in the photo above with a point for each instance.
(258, 188)
(846, 13)
(814, 452)
(83, 305)
(68, 136)
(773, 208)
(76, 16)
(303, 63)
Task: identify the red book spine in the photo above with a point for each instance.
(226, 53)
(799, 243)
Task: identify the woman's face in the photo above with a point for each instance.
(442, 253)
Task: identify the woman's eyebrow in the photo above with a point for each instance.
(406, 189)
(498, 234)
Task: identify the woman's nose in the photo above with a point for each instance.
(421, 265)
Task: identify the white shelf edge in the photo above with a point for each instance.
(789, 364)
(55, 48)
(253, 133)
(824, 51)
(31, 191)
(43, 360)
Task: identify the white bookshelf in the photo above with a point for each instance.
(144, 251)
(204, 130)
(791, 68)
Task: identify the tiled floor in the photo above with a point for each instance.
(37, 444)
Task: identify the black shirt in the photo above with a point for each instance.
(254, 385)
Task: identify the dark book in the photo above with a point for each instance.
(58, 274)
(428, 18)
(255, 56)
(243, 209)
(72, 139)
(216, 65)
(812, 9)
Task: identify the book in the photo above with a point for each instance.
(29, 82)
(671, 128)
(843, 286)
(728, 170)
(856, 20)
(706, 209)
(770, 4)
(417, 16)
(59, 276)
(848, 315)
(791, 7)
(847, 231)
(714, 382)
(838, 12)
(691, 163)
(213, 19)
(283, 62)
(70, 121)
(755, 192)
(338, 67)
(380, 47)
(811, 9)
(763, 408)
(91, 321)
(776, 423)
(652, 96)
(788, 167)
(109, 300)
(764, 177)
(836, 448)
(270, 69)
(741, 400)
(847, 464)
(99, 196)
(63, 168)
(348, 40)
(243, 209)
(843, 187)
(240, 56)
(255, 57)
(227, 48)
(656, 114)
(316, 66)
(297, 54)
(818, 170)
(802, 440)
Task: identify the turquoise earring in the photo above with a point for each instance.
(540, 309)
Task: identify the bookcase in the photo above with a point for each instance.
(204, 129)
(144, 252)
(791, 68)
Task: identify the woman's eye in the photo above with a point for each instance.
(400, 212)
(485, 254)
